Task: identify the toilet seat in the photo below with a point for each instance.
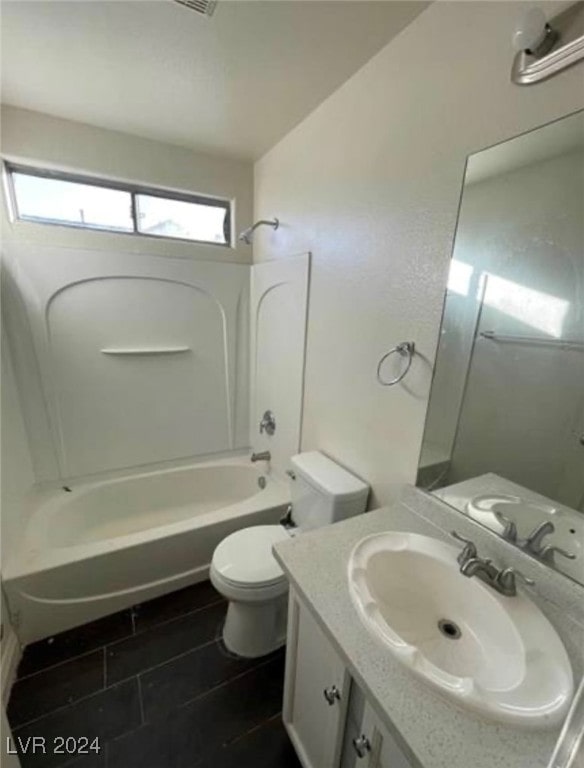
(243, 562)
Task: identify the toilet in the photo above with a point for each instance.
(244, 570)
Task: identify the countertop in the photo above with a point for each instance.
(433, 731)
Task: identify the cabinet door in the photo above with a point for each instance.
(368, 744)
(316, 691)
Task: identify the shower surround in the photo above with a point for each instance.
(135, 382)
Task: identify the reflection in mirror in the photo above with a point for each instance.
(504, 436)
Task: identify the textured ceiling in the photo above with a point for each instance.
(233, 84)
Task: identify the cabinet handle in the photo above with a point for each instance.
(332, 694)
(361, 745)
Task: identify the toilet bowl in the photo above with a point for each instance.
(244, 570)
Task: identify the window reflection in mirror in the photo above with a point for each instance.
(504, 436)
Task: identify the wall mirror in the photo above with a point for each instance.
(504, 435)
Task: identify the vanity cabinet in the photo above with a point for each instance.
(328, 719)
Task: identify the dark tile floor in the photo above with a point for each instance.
(157, 688)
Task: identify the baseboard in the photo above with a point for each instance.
(9, 659)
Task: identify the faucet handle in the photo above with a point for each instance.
(507, 579)
(469, 550)
(547, 553)
(456, 535)
(522, 577)
(509, 530)
(268, 423)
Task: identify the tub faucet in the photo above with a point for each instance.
(261, 456)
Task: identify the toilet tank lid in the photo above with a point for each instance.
(326, 475)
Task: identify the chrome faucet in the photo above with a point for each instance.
(535, 546)
(261, 456)
(502, 580)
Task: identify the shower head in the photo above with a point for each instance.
(247, 235)
(205, 7)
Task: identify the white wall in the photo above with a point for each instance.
(16, 471)
(370, 184)
(49, 142)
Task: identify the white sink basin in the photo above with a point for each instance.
(496, 655)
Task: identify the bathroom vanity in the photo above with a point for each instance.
(328, 718)
(349, 702)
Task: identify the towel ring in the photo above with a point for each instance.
(406, 349)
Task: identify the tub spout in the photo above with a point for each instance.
(261, 456)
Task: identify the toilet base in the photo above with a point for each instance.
(254, 629)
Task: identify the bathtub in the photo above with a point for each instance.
(104, 546)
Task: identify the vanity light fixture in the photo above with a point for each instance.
(533, 34)
(545, 48)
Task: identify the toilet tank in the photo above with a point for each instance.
(323, 492)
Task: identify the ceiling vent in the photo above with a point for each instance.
(206, 7)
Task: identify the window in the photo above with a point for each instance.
(56, 198)
(55, 201)
(163, 217)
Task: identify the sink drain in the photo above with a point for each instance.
(449, 629)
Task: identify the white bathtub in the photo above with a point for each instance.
(108, 545)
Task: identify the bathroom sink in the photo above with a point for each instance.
(496, 655)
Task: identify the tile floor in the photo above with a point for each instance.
(158, 689)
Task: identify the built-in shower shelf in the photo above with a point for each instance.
(145, 350)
